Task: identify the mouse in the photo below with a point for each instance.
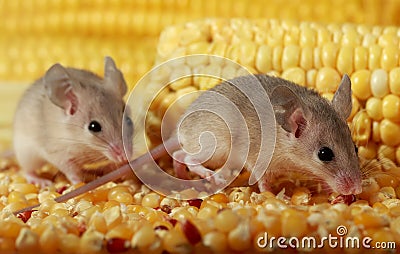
(70, 117)
(312, 137)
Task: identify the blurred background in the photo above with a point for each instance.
(38, 33)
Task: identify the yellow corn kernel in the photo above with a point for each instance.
(290, 57)
(16, 196)
(374, 60)
(370, 220)
(226, 220)
(329, 54)
(123, 231)
(24, 188)
(301, 196)
(294, 223)
(151, 200)
(264, 59)
(388, 152)
(391, 107)
(69, 243)
(91, 242)
(376, 131)
(247, 53)
(7, 245)
(277, 58)
(216, 241)
(345, 60)
(369, 151)
(317, 58)
(306, 58)
(394, 81)
(98, 222)
(27, 241)
(361, 128)
(219, 198)
(311, 77)
(113, 216)
(296, 75)
(175, 241)
(360, 81)
(390, 132)
(379, 83)
(207, 211)
(390, 57)
(327, 80)
(144, 237)
(360, 58)
(374, 108)
(11, 228)
(239, 239)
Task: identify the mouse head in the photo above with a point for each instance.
(316, 136)
(93, 108)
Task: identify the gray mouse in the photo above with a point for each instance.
(70, 117)
(312, 136)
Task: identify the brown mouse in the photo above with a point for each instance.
(312, 136)
(70, 117)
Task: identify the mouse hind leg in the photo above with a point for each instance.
(29, 163)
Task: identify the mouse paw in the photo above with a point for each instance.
(218, 179)
(34, 179)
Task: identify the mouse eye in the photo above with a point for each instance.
(325, 154)
(94, 126)
(356, 149)
(128, 121)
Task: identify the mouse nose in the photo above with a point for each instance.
(117, 153)
(347, 185)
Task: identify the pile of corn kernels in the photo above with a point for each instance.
(127, 217)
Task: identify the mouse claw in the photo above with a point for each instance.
(36, 180)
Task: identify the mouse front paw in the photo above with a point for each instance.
(34, 179)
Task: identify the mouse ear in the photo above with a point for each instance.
(60, 90)
(341, 101)
(289, 110)
(114, 80)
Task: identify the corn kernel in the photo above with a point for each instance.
(379, 83)
(394, 81)
(91, 242)
(361, 128)
(390, 57)
(360, 58)
(24, 188)
(374, 60)
(16, 196)
(360, 81)
(151, 200)
(226, 220)
(264, 59)
(216, 241)
(296, 75)
(329, 54)
(389, 132)
(370, 220)
(311, 77)
(239, 239)
(27, 241)
(368, 151)
(290, 57)
(144, 237)
(345, 60)
(306, 58)
(112, 216)
(175, 241)
(294, 223)
(374, 108)
(355, 107)
(391, 107)
(69, 243)
(327, 80)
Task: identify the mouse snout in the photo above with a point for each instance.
(347, 185)
(117, 153)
